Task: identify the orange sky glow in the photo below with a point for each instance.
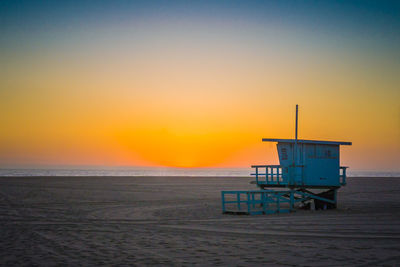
(194, 93)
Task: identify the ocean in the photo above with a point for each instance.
(158, 171)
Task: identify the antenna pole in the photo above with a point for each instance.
(295, 140)
(297, 115)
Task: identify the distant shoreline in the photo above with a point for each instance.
(167, 176)
(156, 171)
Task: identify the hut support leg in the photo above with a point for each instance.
(335, 197)
(327, 198)
(291, 200)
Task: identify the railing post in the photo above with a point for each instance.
(335, 197)
(278, 202)
(291, 200)
(344, 176)
(264, 202)
(223, 201)
(257, 174)
(270, 176)
(277, 175)
(248, 202)
(238, 200)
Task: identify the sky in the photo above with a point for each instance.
(197, 83)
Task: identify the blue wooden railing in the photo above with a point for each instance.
(254, 202)
(268, 175)
(257, 201)
(272, 175)
(342, 175)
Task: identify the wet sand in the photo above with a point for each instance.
(177, 221)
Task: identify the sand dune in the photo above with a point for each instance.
(178, 221)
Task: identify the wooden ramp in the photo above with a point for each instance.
(257, 202)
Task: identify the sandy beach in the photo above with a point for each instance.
(177, 221)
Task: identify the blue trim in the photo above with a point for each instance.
(301, 141)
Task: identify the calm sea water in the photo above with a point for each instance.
(156, 171)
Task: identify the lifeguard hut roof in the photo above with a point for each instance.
(302, 141)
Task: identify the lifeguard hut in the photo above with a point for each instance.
(309, 174)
